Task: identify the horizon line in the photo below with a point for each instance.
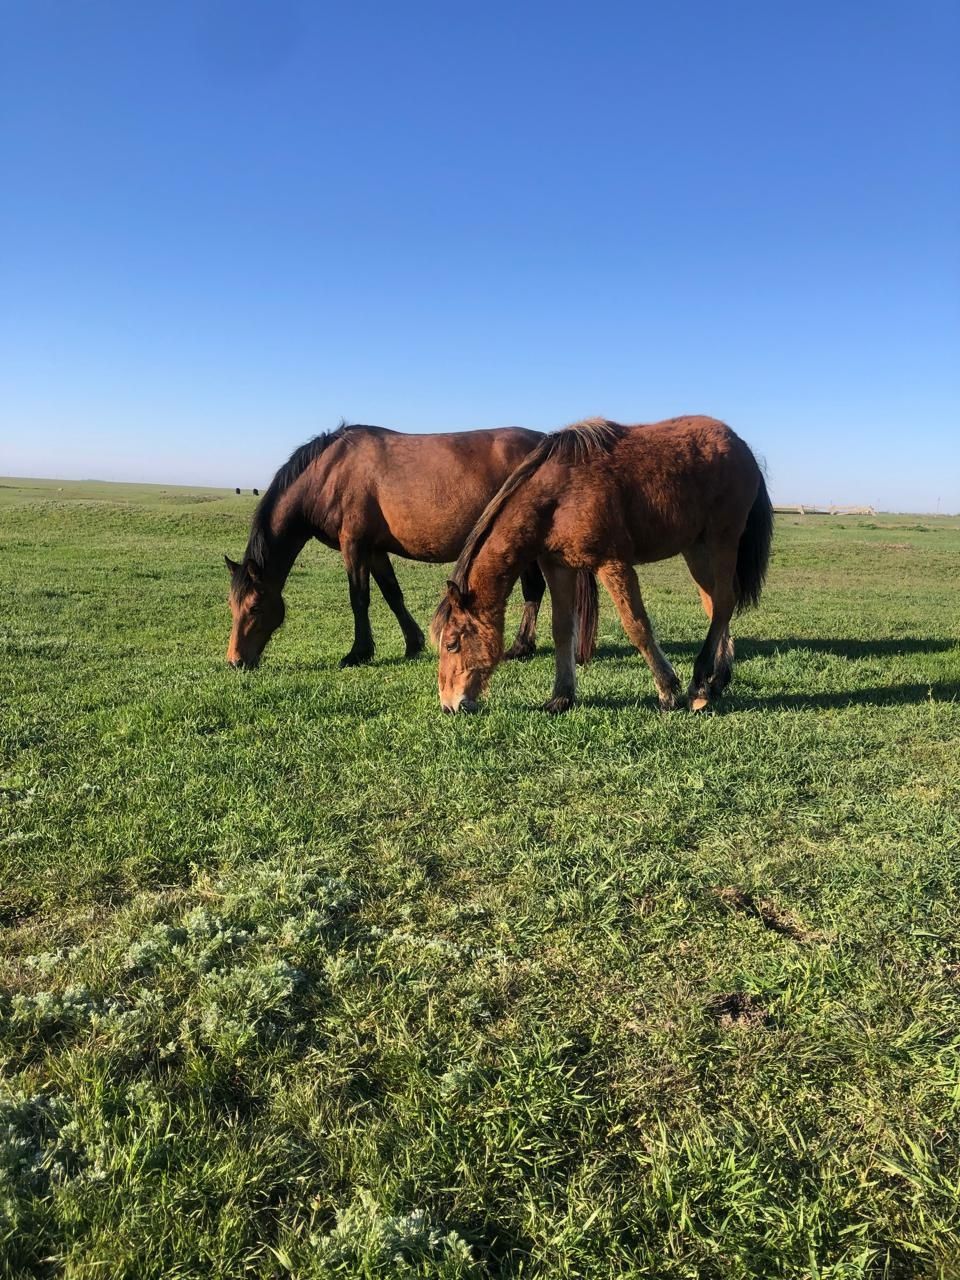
(814, 508)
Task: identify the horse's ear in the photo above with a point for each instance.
(232, 566)
(252, 570)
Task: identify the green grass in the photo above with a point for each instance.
(300, 977)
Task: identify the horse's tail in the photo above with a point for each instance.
(588, 615)
(753, 553)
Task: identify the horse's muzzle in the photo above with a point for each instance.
(463, 705)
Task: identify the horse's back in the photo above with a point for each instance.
(684, 450)
(418, 495)
(655, 490)
(448, 462)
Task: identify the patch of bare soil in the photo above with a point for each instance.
(737, 1010)
(768, 913)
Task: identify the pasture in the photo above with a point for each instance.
(299, 977)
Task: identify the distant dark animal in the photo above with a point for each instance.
(236, 491)
(372, 493)
(256, 493)
(602, 497)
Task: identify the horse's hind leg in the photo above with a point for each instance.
(713, 667)
(532, 584)
(620, 580)
(700, 563)
(358, 575)
(563, 598)
(386, 580)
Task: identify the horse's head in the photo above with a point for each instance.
(257, 609)
(470, 645)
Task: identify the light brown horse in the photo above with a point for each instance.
(603, 497)
(372, 493)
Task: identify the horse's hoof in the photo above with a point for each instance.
(414, 648)
(720, 681)
(557, 705)
(354, 660)
(520, 652)
(671, 696)
(700, 703)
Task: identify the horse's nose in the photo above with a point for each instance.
(463, 705)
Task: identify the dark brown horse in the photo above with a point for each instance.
(372, 493)
(604, 497)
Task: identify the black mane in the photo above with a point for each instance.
(258, 545)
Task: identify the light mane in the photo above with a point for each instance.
(573, 444)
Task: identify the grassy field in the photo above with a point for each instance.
(299, 977)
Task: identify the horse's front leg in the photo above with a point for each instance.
(358, 575)
(563, 593)
(532, 584)
(386, 580)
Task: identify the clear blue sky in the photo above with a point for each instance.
(225, 225)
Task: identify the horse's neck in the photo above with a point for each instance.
(311, 507)
(286, 536)
(514, 541)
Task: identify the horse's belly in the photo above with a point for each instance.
(658, 540)
(436, 539)
(433, 493)
(649, 553)
(591, 532)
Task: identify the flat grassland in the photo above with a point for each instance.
(299, 977)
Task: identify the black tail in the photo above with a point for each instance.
(753, 553)
(588, 615)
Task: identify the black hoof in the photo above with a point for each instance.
(415, 647)
(719, 681)
(355, 660)
(558, 705)
(672, 697)
(520, 651)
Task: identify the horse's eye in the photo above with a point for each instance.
(454, 646)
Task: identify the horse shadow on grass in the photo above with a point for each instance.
(876, 696)
(892, 695)
(319, 665)
(755, 647)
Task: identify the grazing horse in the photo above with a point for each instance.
(371, 493)
(603, 497)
